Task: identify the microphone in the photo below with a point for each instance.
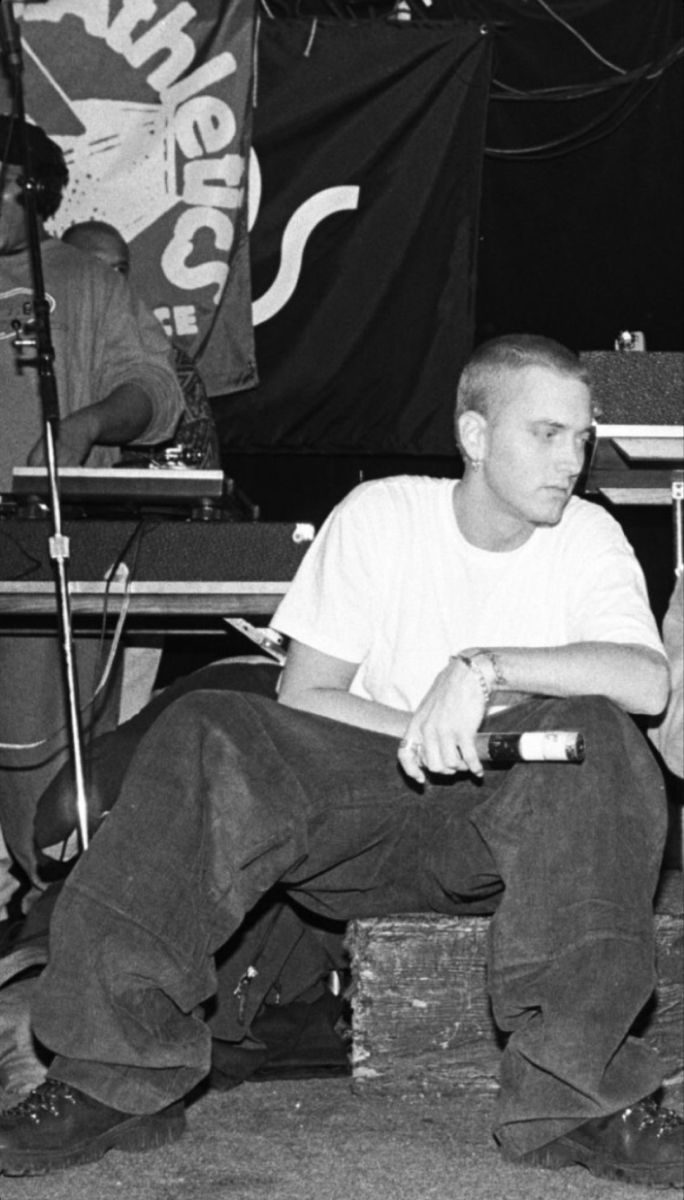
(10, 38)
(546, 745)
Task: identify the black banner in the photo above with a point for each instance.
(364, 191)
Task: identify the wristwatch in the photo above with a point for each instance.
(474, 666)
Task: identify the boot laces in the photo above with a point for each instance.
(650, 1113)
(45, 1098)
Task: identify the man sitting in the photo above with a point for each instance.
(426, 609)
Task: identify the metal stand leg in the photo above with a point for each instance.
(677, 499)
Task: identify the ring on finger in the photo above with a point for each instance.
(414, 748)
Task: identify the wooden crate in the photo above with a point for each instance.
(421, 1019)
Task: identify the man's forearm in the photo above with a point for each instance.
(118, 419)
(121, 417)
(348, 708)
(634, 677)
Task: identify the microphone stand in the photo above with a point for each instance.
(35, 335)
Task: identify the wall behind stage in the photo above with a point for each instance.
(581, 229)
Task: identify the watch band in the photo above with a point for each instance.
(498, 677)
(478, 673)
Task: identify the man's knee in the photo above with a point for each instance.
(229, 713)
(623, 775)
(605, 727)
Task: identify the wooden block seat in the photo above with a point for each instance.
(421, 1020)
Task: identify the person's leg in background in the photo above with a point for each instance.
(8, 882)
(34, 730)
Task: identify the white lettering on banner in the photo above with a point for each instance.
(163, 315)
(211, 118)
(185, 318)
(179, 249)
(209, 73)
(297, 232)
(167, 35)
(179, 320)
(201, 181)
(124, 167)
(130, 15)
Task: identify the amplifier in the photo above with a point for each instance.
(164, 485)
(637, 387)
(157, 551)
(639, 397)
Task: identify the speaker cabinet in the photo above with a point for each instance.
(637, 387)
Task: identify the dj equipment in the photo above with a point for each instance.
(637, 389)
(161, 566)
(640, 424)
(114, 484)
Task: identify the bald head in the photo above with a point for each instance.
(101, 240)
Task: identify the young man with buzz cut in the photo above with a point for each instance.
(426, 610)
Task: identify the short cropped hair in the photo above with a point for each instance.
(492, 360)
(46, 161)
(82, 230)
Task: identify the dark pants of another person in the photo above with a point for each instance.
(229, 794)
(34, 727)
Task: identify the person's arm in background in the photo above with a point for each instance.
(120, 418)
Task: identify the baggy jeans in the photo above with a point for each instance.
(229, 794)
(35, 731)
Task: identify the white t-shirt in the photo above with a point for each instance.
(391, 583)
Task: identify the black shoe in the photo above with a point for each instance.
(57, 1126)
(641, 1144)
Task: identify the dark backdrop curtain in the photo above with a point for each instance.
(368, 140)
(583, 236)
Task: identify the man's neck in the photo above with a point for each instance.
(482, 522)
(12, 249)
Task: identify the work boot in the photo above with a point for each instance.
(641, 1144)
(57, 1126)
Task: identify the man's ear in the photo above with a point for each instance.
(471, 431)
